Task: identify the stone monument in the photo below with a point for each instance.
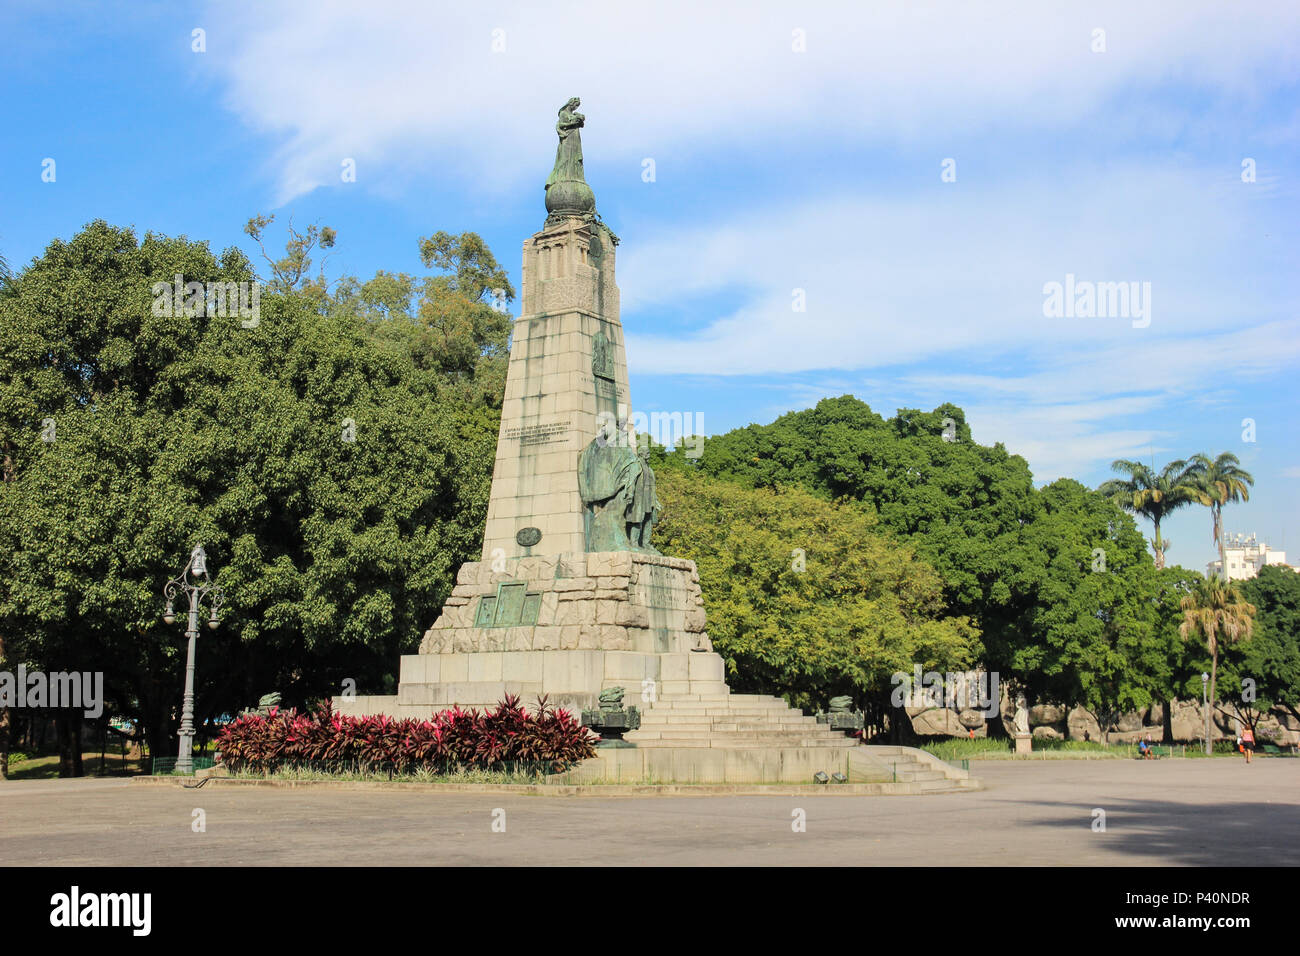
(570, 597)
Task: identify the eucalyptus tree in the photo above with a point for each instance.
(1219, 482)
(1151, 494)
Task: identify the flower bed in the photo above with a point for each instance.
(549, 740)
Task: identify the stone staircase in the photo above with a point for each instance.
(927, 772)
(781, 740)
(731, 721)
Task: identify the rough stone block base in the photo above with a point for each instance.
(569, 679)
(613, 601)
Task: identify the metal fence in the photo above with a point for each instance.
(166, 766)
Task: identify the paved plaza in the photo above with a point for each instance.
(1168, 812)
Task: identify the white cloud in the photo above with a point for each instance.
(910, 277)
(414, 88)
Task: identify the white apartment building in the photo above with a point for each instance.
(1245, 557)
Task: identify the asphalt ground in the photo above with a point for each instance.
(1160, 813)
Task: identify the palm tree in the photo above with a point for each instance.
(1151, 494)
(1213, 610)
(1218, 482)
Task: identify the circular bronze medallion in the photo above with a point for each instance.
(527, 537)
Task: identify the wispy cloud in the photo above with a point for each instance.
(405, 87)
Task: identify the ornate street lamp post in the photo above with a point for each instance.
(195, 582)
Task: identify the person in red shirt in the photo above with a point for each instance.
(1248, 742)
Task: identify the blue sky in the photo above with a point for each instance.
(776, 168)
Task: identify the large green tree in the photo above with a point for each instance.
(1216, 614)
(808, 597)
(1094, 632)
(1270, 660)
(335, 484)
(1057, 580)
(960, 504)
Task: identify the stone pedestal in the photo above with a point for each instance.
(572, 679)
(567, 626)
(615, 600)
(1024, 743)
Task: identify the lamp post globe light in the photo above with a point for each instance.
(196, 584)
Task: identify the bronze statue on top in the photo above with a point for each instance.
(567, 192)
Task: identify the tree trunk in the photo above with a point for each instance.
(1158, 545)
(4, 726)
(1223, 553)
(67, 727)
(1209, 709)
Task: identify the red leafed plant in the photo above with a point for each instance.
(550, 740)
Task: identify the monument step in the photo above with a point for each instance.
(647, 727)
(668, 700)
(727, 716)
(675, 703)
(917, 768)
(761, 743)
(721, 707)
(793, 739)
(731, 723)
(766, 733)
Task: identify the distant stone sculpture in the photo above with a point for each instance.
(1022, 715)
(617, 488)
(567, 192)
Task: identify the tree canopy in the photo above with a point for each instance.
(334, 482)
(806, 596)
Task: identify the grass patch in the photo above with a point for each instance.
(964, 748)
(956, 749)
(46, 766)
